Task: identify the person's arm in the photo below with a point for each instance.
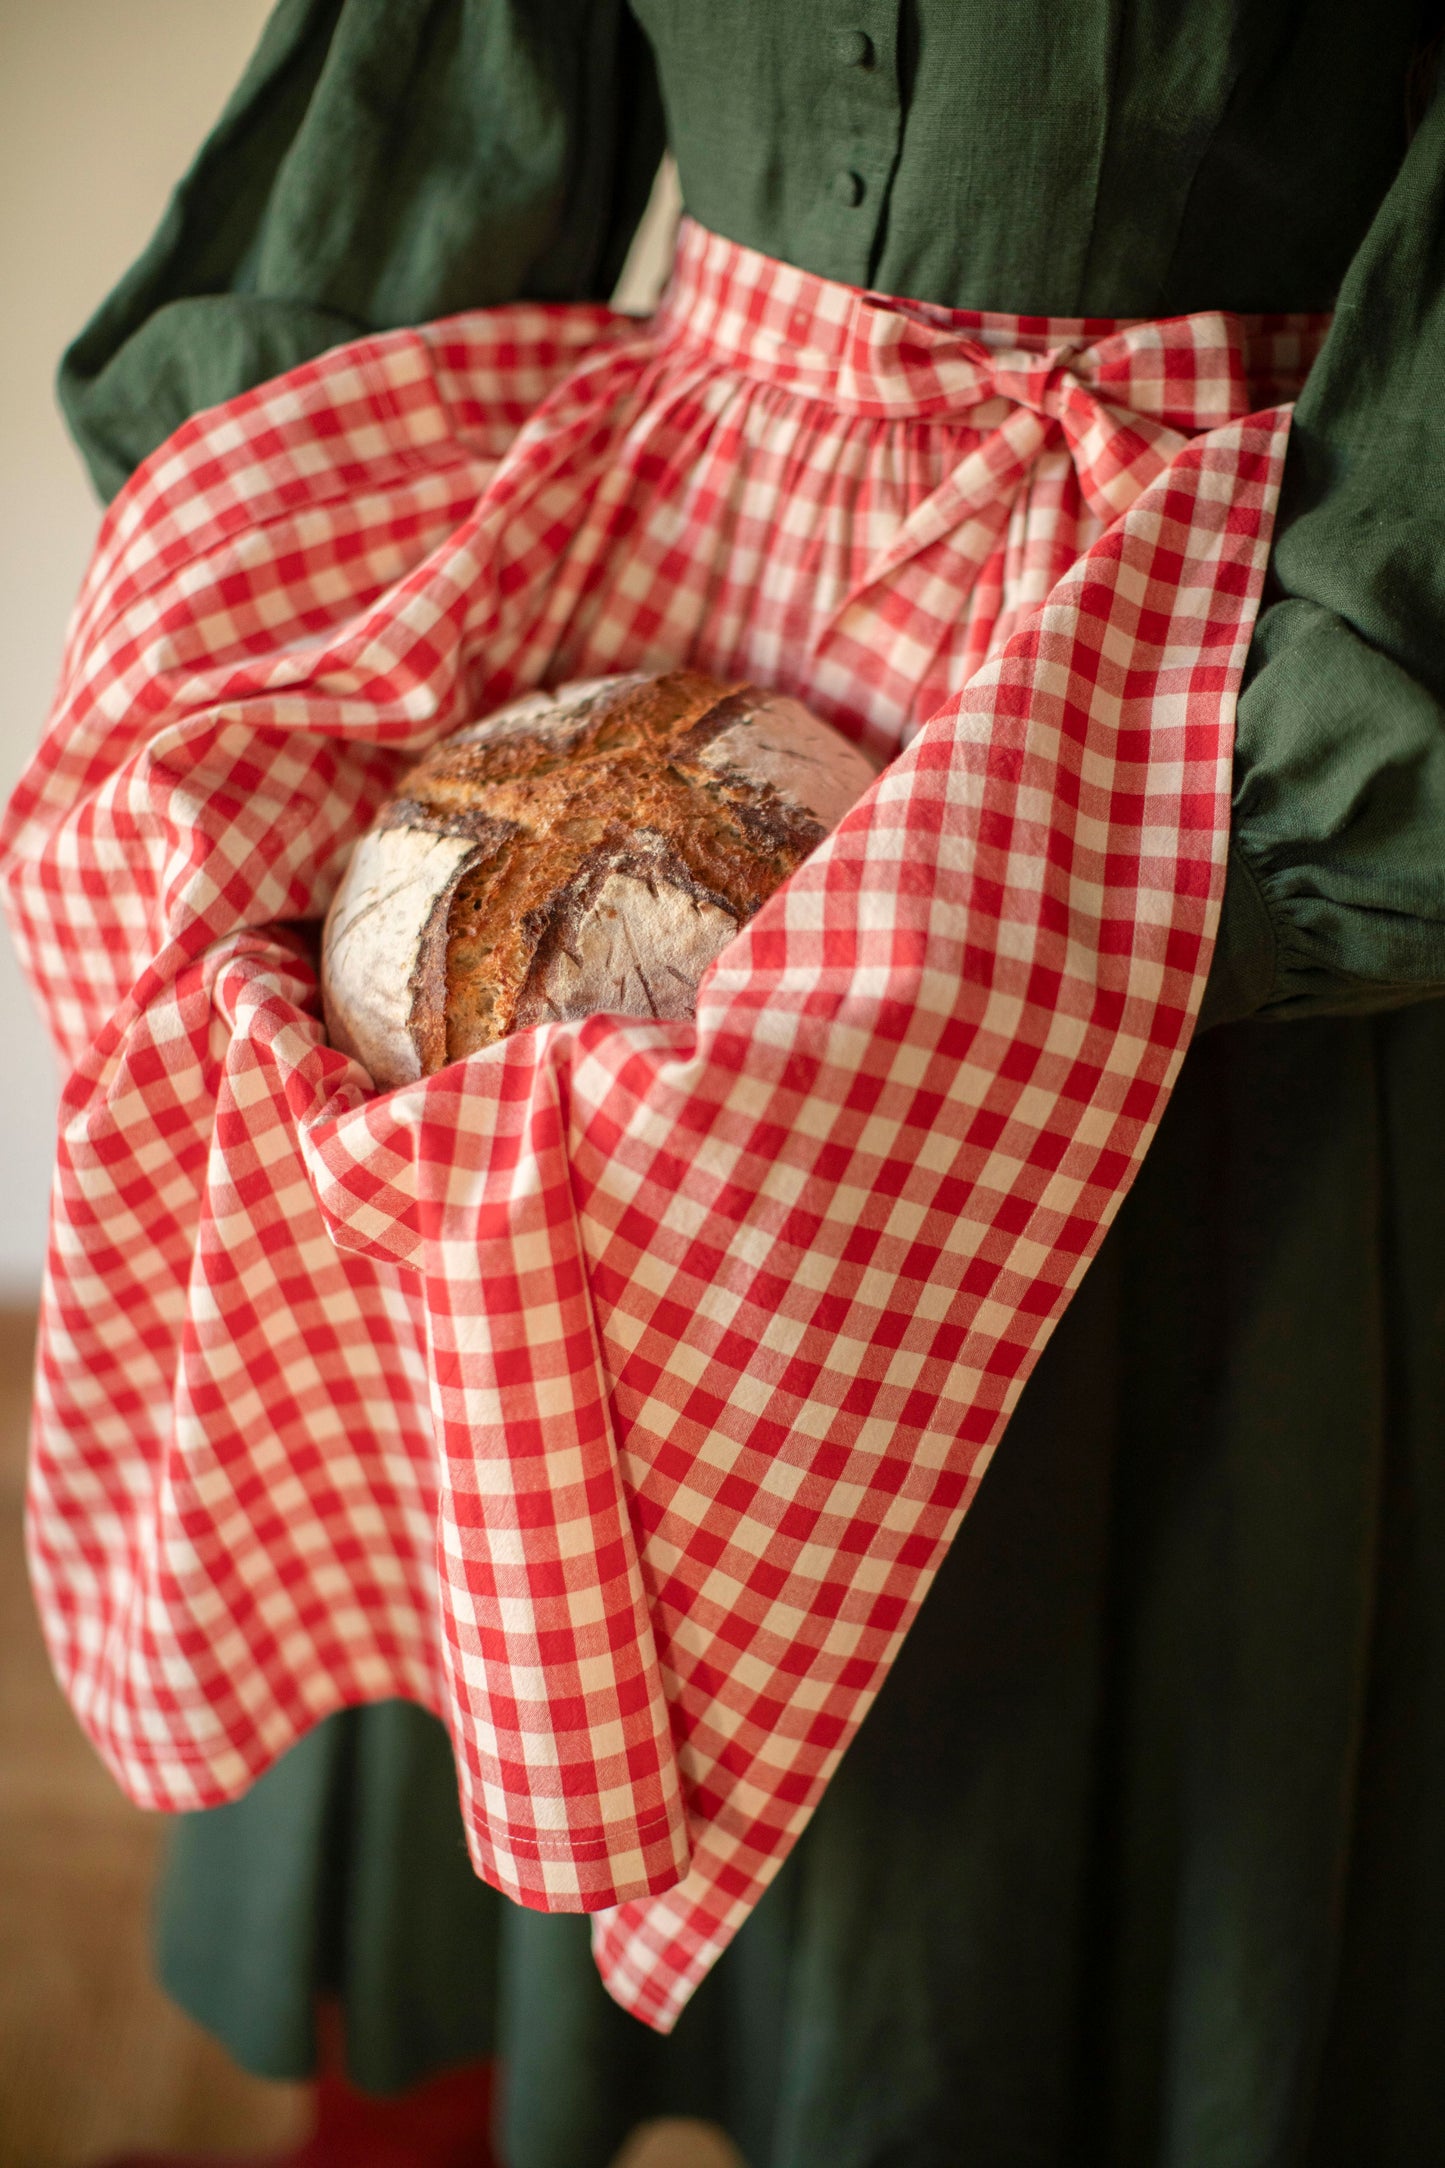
(381, 163)
(1336, 897)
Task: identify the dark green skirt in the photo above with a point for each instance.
(1140, 1858)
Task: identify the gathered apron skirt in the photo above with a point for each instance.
(616, 1393)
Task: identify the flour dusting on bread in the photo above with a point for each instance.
(590, 849)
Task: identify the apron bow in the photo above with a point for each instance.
(1121, 407)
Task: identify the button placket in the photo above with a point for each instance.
(855, 70)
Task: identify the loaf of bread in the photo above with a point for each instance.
(590, 849)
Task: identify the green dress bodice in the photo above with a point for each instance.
(1054, 157)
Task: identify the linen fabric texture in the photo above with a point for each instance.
(616, 1392)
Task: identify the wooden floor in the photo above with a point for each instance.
(93, 2059)
(92, 2056)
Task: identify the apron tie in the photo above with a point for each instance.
(1024, 405)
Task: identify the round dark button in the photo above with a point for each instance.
(849, 188)
(853, 48)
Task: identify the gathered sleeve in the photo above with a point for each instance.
(382, 162)
(1336, 894)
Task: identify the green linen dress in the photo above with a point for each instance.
(1137, 1859)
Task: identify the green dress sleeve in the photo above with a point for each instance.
(1336, 893)
(382, 162)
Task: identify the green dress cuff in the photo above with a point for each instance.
(1340, 820)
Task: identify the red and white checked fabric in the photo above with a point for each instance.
(616, 1392)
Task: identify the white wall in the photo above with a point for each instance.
(102, 103)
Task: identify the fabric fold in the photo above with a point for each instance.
(616, 1392)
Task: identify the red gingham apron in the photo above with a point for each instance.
(616, 1392)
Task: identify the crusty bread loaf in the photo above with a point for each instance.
(589, 849)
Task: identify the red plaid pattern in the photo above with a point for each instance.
(616, 1392)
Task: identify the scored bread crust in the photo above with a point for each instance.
(593, 848)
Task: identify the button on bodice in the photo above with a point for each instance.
(853, 48)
